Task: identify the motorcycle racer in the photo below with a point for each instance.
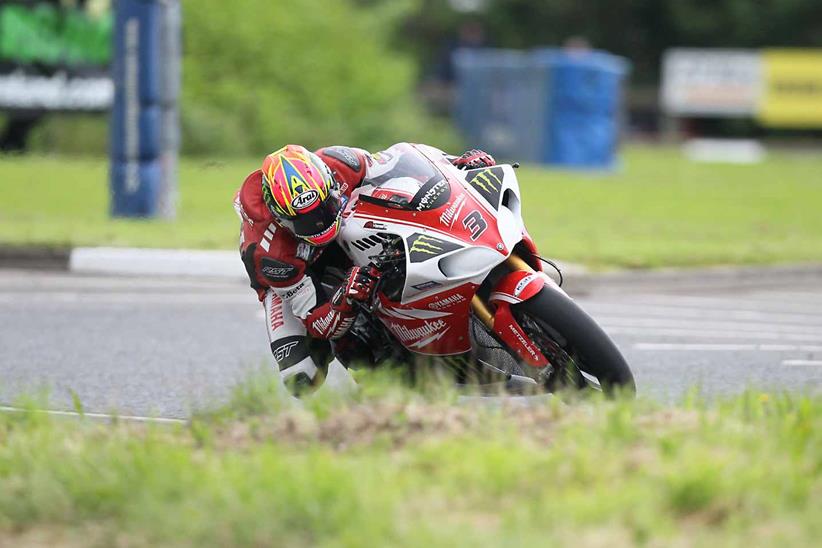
(290, 211)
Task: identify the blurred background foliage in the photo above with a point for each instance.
(258, 74)
(640, 30)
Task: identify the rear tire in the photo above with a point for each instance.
(568, 326)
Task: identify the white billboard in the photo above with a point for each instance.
(711, 82)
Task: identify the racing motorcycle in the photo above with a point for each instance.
(461, 279)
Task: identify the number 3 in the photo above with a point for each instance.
(475, 224)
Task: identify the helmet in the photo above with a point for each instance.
(301, 193)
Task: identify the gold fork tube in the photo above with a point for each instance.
(515, 263)
(480, 308)
(482, 312)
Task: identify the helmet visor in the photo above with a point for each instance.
(319, 225)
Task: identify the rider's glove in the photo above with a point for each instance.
(474, 159)
(357, 287)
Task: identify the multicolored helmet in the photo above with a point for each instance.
(301, 193)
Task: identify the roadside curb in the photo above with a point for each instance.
(35, 257)
(157, 262)
(126, 261)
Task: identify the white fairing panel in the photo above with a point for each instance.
(456, 259)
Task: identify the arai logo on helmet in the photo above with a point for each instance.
(305, 199)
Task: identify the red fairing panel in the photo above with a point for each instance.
(518, 286)
(513, 288)
(459, 218)
(507, 328)
(436, 325)
(529, 244)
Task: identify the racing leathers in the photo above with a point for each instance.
(283, 269)
(279, 267)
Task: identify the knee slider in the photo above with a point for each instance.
(289, 351)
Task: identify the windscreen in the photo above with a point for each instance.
(404, 176)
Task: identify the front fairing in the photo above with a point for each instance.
(451, 245)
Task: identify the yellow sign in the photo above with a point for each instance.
(792, 94)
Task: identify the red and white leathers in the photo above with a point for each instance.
(279, 267)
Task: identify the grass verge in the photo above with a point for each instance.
(398, 468)
(658, 210)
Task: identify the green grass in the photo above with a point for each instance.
(662, 210)
(658, 210)
(63, 201)
(396, 468)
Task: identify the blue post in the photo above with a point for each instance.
(144, 120)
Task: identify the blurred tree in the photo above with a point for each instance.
(638, 29)
(258, 74)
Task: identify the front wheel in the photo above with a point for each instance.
(572, 341)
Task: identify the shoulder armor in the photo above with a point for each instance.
(249, 199)
(345, 155)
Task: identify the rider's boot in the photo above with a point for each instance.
(338, 380)
(299, 378)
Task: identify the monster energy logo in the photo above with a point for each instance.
(488, 182)
(422, 247)
(426, 244)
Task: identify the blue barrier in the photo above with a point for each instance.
(137, 31)
(144, 123)
(545, 105)
(149, 132)
(140, 201)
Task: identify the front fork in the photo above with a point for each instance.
(519, 285)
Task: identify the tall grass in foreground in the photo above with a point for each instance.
(399, 467)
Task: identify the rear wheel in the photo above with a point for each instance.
(573, 342)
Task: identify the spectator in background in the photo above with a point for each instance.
(470, 35)
(576, 45)
(438, 89)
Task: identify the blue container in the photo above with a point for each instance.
(580, 140)
(495, 88)
(546, 105)
(581, 108)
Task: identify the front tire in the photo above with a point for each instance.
(564, 330)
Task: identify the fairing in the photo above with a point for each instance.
(456, 226)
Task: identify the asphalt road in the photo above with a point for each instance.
(161, 347)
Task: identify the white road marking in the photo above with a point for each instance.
(800, 363)
(721, 347)
(744, 302)
(104, 416)
(696, 347)
(712, 334)
(789, 297)
(694, 312)
(632, 321)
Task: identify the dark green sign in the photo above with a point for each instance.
(51, 35)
